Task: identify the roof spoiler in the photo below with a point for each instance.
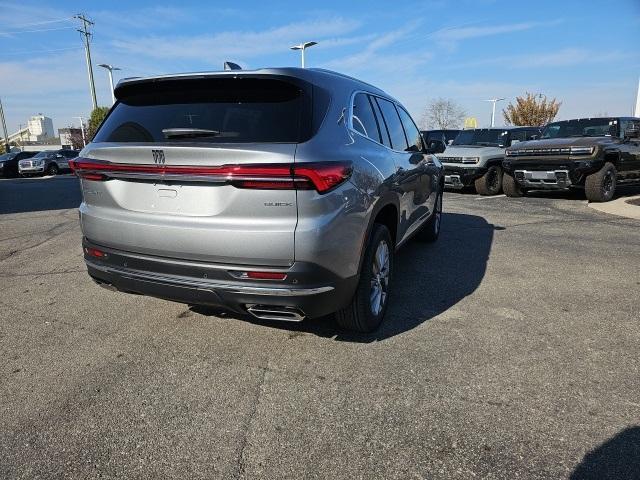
(232, 66)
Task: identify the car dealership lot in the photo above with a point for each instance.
(510, 349)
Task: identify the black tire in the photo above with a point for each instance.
(359, 315)
(491, 182)
(52, 169)
(510, 187)
(430, 231)
(601, 185)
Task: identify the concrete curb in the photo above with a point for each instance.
(619, 207)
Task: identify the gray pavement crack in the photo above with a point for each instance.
(244, 441)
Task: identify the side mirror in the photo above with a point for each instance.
(632, 132)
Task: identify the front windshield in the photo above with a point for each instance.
(485, 137)
(584, 127)
(7, 156)
(42, 154)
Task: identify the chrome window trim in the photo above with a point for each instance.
(349, 122)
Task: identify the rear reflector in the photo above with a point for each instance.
(94, 252)
(266, 275)
(321, 176)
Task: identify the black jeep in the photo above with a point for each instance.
(591, 153)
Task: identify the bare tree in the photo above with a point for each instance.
(442, 113)
(531, 110)
(76, 139)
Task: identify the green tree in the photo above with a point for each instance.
(531, 109)
(96, 118)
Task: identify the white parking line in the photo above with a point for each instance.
(492, 196)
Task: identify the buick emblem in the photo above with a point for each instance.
(158, 157)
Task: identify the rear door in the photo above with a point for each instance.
(198, 169)
(410, 171)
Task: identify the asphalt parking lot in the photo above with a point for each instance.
(510, 351)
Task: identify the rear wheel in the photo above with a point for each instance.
(511, 187)
(52, 169)
(491, 182)
(601, 186)
(369, 303)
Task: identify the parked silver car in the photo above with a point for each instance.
(49, 162)
(282, 193)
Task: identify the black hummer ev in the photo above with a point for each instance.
(591, 153)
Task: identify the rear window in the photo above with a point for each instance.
(215, 110)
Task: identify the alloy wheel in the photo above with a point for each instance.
(379, 278)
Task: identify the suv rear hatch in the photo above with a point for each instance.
(198, 168)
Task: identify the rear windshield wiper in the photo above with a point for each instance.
(189, 132)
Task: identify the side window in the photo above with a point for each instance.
(363, 119)
(529, 134)
(520, 135)
(398, 141)
(384, 131)
(626, 125)
(412, 133)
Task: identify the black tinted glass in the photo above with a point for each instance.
(363, 119)
(235, 110)
(483, 137)
(384, 132)
(585, 127)
(398, 142)
(411, 131)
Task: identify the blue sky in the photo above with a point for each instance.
(585, 53)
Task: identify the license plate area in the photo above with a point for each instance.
(541, 175)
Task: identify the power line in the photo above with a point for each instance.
(63, 19)
(34, 31)
(33, 52)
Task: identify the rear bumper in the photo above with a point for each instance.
(460, 177)
(308, 291)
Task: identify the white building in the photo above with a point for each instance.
(40, 128)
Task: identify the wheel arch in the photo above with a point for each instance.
(386, 212)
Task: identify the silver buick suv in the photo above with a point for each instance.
(282, 193)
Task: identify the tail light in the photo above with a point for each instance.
(319, 176)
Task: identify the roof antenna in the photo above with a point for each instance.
(232, 66)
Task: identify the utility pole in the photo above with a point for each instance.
(4, 129)
(86, 36)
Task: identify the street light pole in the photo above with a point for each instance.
(493, 109)
(110, 69)
(302, 47)
(84, 143)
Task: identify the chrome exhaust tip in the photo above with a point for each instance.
(274, 312)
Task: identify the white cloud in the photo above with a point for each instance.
(236, 44)
(450, 37)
